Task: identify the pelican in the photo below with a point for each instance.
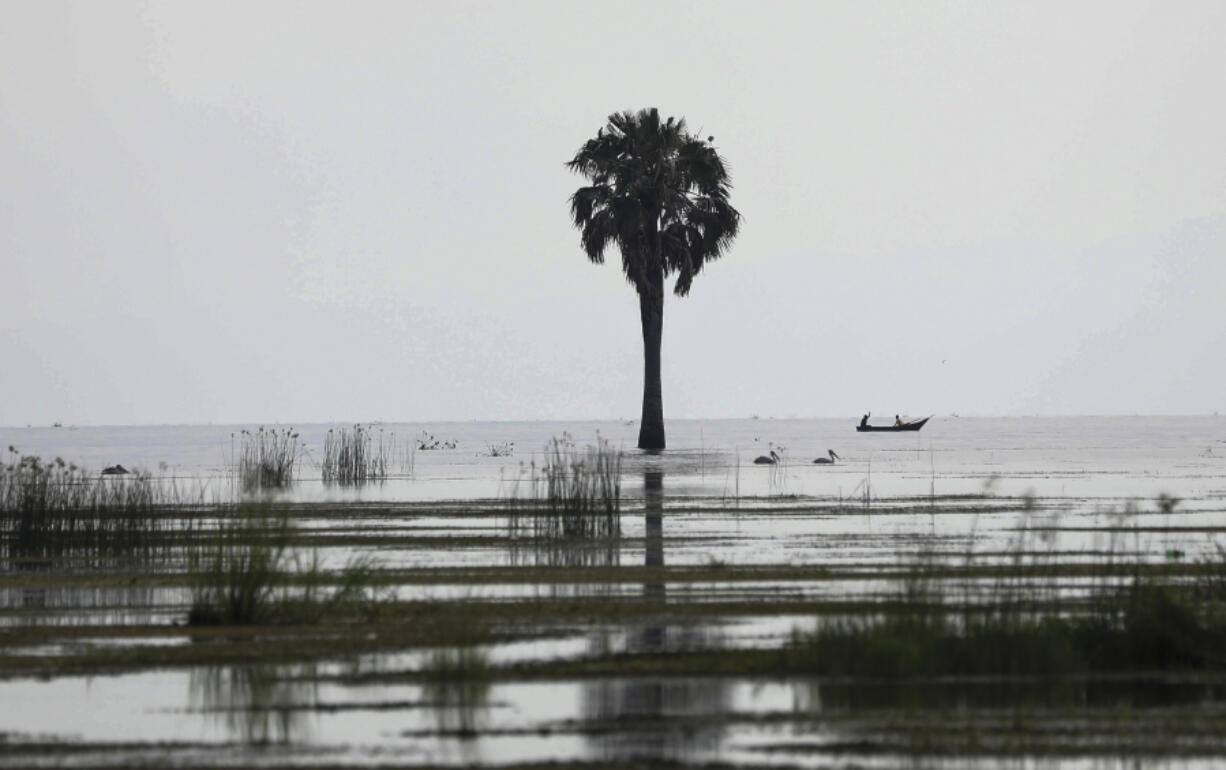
(770, 459)
(828, 460)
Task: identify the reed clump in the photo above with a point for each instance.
(574, 494)
(357, 455)
(247, 573)
(48, 507)
(267, 458)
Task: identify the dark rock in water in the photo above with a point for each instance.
(115, 470)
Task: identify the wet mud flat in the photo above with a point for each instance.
(794, 616)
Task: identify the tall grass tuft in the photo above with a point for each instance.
(248, 574)
(234, 577)
(573, 494)
(266, 458)
(358, 455)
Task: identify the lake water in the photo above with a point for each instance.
(703, 502)
(1090, 458)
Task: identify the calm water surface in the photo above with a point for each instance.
(1082, 457)
(711, 504)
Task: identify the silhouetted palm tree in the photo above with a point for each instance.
(661, 195)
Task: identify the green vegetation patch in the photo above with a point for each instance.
(249, 575)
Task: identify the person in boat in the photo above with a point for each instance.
(897, 420)
(864, 420)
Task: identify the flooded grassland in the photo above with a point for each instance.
(988, 592)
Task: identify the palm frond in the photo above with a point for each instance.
(659, 193)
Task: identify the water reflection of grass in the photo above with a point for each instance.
(257, 703)
(457, 684)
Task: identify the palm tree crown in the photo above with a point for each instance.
(659, 193)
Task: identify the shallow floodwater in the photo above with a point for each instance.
(961, 488)
(282, 715)
(1091, 458)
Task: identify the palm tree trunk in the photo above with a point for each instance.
(651, 310)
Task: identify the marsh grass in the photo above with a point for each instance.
(1147, 627)
(1210, 584)
(52, 507)
(358, 455)
(1023, 622)
(267, 458)
(573, 494)
(248, 574)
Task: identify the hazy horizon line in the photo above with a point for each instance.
(624, 420)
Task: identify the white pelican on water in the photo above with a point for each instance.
(770, 459)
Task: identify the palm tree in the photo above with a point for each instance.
(661, 195)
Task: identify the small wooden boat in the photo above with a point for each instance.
(913, 425)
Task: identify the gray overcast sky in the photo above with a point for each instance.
(322, 211)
